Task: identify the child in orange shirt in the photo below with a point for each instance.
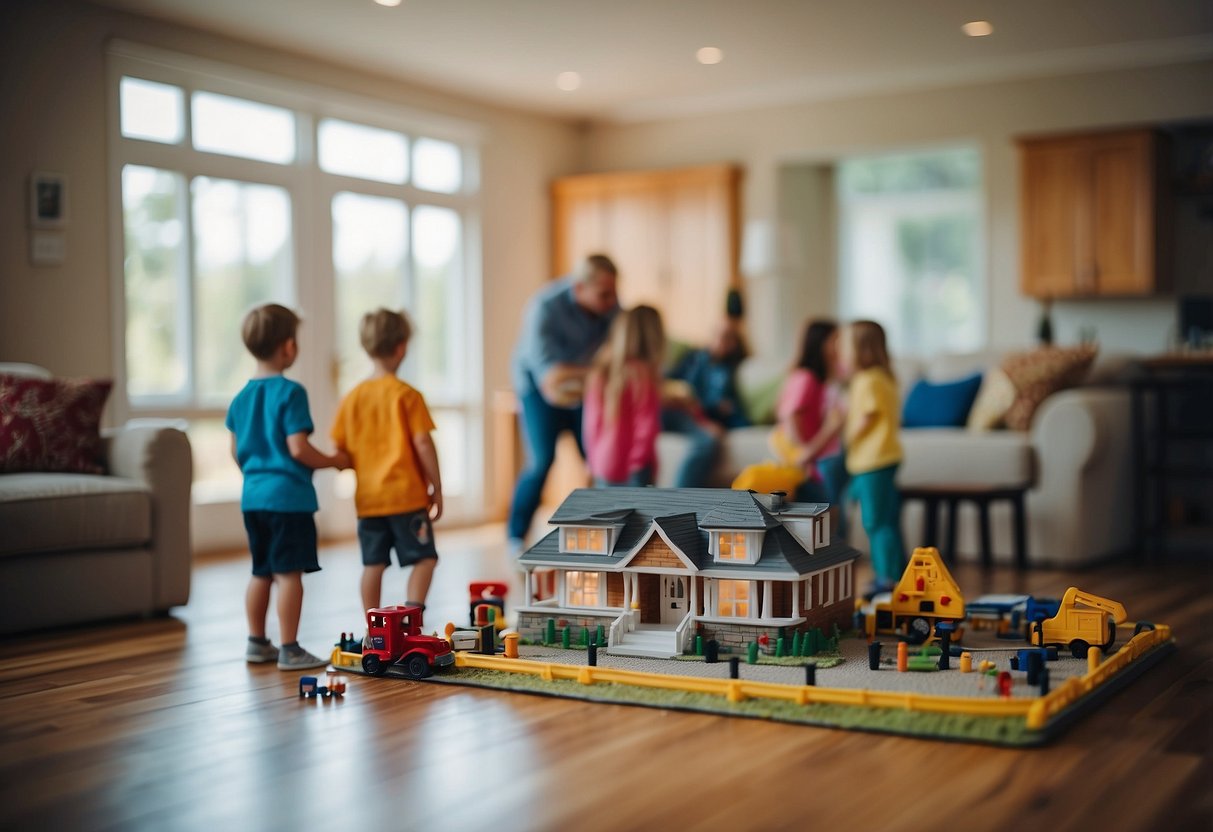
(384, 425)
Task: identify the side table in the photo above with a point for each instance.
(950, 495)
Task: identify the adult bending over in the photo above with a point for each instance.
(564, 325)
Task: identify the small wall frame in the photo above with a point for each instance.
(47, 200)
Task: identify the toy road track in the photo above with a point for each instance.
(1019, 721)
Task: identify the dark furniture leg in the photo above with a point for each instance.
(1018, 501)
(983, 517)
(930, 522)
(949, 543)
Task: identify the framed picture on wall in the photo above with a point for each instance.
(47, 200)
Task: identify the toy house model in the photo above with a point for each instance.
(657, 566)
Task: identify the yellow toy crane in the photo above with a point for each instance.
(1082, 620)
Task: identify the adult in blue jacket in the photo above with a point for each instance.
(711, 375)
(562, 328)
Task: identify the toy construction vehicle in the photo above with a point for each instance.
(1082, 620)
(926, 596)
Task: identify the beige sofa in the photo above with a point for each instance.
(80, 547)
(1077, 457)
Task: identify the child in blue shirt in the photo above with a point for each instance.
(270, 424)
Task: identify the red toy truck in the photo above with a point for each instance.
(394, 637)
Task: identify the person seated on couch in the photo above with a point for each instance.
(704, 401)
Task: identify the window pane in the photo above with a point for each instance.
(365, 152)
(451, 439)
(242, 255)
(151, 111)
(439, 340)
(156, 283)
(437, 166)
(216, 475)
(236, 127)
(911, 248)
(370, 244)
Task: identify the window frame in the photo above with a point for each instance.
(568, 542)
(752, 541)
(310, 191)
(940, 202)
(600, 601)
(751, 600)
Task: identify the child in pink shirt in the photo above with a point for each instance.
(810, 416)
(623, 401)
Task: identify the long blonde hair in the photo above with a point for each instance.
(868, 341)
(637, 336)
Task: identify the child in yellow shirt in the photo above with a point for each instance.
(384, 425)
(873, 449)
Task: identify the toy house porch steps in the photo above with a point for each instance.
(647, 642)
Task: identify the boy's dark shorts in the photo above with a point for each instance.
(410, 534)
(281, 542)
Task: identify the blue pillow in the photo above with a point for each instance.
(940, 405)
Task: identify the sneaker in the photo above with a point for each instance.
(260, 653)
(298, 659)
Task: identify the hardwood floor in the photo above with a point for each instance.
(161, 725)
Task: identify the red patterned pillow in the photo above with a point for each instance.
(51, 425)
(1041, 373)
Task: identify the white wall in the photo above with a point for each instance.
(769, 142)
(53, 117)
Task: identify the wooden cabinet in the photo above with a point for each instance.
(673, 235)
(1090, 215)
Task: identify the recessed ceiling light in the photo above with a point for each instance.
(709, 55)
(977, 28)
(568, 81)
(388, 2)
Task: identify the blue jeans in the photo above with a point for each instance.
(693, 473)
(836, 480)
(542, 425)
(880, 503)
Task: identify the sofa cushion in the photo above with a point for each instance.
(51, 425)
(939, 456)
(60, 512)
(943, 405)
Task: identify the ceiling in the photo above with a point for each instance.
(636, 58)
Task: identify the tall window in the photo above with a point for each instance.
(238, 191)
(734, 598)
(584, 589)
(911, 248)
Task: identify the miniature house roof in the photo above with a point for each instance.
(685, 516)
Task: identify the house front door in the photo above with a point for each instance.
(673, 598)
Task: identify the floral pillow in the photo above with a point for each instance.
(51, 424)
(1041, 373)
